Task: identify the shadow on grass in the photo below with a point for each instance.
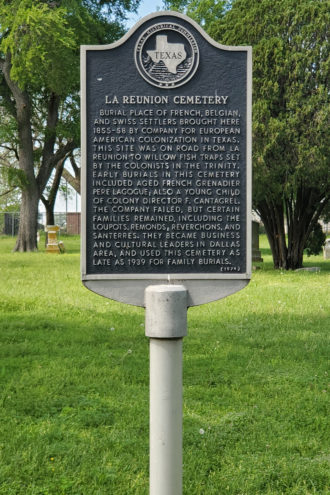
(311, 261)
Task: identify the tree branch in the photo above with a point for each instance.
(14, 88)
(56, 181)
(74, 165)
(8, 103)
(73, 181)
(8, 192)
(14, 150)
(64, 150)
(61, 153)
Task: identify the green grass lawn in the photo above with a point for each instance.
(74, 384)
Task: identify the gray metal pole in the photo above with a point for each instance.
(166, 325)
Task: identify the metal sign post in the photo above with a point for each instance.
(166, 325)
(166, 193)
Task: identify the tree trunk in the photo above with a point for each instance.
(301, 214)
(49, 202)
(50, 217)
(295, 253)
(47, 161)
(27, 232)
(272, 216)
(296, 243)
(27, 235)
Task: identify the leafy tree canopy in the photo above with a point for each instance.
(43, 38)
(290, 76)
(290, 111)
(39, 86)
(206, 12)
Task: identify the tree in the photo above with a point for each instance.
(9, 187)
(27, 70)
(39, 75)
(11, 177)
(290, 114)
(206, 12)
(316, 240)
(73, 180)
(49, 200)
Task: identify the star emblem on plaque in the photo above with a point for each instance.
(166, 55)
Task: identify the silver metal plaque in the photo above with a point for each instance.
(166, 162)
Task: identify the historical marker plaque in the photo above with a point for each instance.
(166, 145)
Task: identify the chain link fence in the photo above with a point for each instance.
(69, 223)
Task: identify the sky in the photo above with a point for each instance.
(146, 7)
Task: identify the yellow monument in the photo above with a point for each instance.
(52, 242)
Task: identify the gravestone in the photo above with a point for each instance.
(256, 253)
(166, 162)
(52, 242)
(326, 250)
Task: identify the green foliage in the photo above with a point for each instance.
(316, 240)
(74, 384)
(291, 180)
(16, 177)
(69, 116)
(8, 131)
(205, 12)
(326, 214)
(44, 38)
(11, 178)
(9, 192)
(41, 42)
(291, 105)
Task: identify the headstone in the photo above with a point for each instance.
(326, 250)
(309, 269)
(166, 162)
(52, 242)
(256, 253)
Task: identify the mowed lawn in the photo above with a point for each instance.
(74, 384)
